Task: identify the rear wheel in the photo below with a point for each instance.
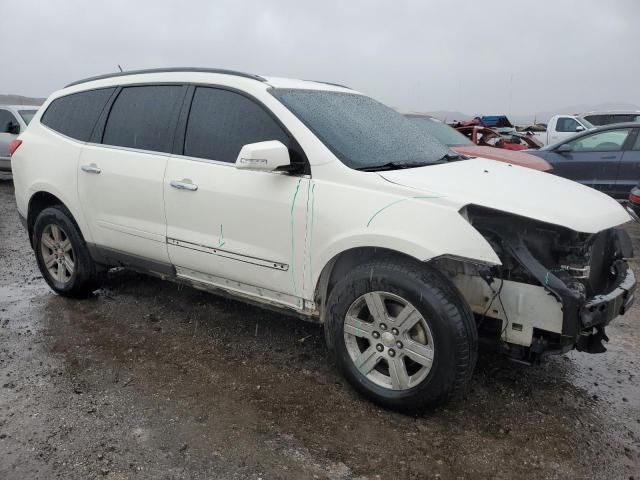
(62, 254)
(401, 334)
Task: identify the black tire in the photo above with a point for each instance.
(84, 278)
(447, 314)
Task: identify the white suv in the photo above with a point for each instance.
(322, 202)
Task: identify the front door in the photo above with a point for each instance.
(120, 181)
(629, 170)
(240, 230)
(594, 159)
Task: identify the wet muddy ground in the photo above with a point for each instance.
(151, 380)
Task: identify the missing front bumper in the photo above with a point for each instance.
(601, 309)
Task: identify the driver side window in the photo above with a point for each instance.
(566, 124)
(608, 141)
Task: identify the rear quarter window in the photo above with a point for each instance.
(76, 115)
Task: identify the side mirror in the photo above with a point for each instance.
(264, 156)
(580, 128)
(12, 128)
(564, 148)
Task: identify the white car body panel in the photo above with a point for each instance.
(517, 190)
(123, 204)
(245, 226)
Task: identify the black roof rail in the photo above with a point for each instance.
(166, 70)
(330, 83)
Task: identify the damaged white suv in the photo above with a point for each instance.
(317, 200)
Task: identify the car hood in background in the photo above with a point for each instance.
(520, 191)
(502, 155)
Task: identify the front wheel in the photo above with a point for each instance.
(401, 334)
(62, 254)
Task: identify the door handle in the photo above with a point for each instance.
(93, 168)
(184, 185)
(609, 157)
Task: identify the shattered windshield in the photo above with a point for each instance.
(443, 132)
(362, 132)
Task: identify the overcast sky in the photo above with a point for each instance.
(471, 56)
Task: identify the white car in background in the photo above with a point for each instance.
(13, 120)
(321, 202)
(561, 127)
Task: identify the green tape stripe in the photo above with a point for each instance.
(293, 240)
(313, 204)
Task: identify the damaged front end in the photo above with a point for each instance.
(556, 289)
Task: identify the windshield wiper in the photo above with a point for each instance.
(393, 166)
(451, 157)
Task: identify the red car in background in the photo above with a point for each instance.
(488, 137)
(463, 145)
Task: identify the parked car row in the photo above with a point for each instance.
(323, 203)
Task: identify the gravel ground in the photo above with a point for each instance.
(149, 379)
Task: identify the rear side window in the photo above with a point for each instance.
(27, 115)
(624, 118)
(143, 118)
(221, 122)
(597, 119)
(75, 115)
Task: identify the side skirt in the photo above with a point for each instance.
(260, 297)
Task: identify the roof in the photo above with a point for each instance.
(166, 70)
(612, 112)
(277, 82)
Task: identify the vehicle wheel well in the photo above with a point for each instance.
(38, 202)
(342, 263)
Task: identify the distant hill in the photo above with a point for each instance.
(20, 100)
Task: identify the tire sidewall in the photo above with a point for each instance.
(83, 263)
(423, 297)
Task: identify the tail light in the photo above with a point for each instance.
(633, 198)
(13, 146)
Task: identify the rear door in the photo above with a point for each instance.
(238, 229)
(629, 171)
(593, 160)
(121, 173)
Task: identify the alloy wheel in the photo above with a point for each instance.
(57, 253)
(388, 340)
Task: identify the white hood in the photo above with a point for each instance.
(518, 190)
